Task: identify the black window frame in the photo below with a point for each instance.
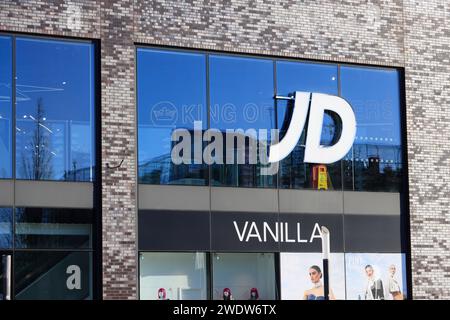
(97, 249)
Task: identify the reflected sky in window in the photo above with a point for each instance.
(376, 156)
(171, 89)
(172, 93)
(55, 110)
(5, 107)
(241, 91)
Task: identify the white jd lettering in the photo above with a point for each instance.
(316, 103)
(259, 140)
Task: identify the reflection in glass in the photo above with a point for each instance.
(5, 228)
(297, 282)
(55, 110)
(55, 275)
(172, 276)
(171, 94)
(375, 161)
(5, 107)
(376, 276)
(242, 98)
(240, 272)
(307, 77)
(53, 228)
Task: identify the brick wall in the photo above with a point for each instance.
(427, 59)
(119, 143)
(408, 33)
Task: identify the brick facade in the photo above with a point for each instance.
(404, 33)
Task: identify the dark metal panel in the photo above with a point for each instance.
(377, 234)
(173, 230)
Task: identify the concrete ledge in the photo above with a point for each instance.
(167, 197)
(372, 203)
(6, 193)
(54, 194)
(310, 201)
(196, 198)
(244, 199)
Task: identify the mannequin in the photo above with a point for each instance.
(227, 294)
(254, 295)
(162, 294)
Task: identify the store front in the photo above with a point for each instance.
(206, 253)
(216, 220)
(47, 168)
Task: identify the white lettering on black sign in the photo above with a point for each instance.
(277, 232)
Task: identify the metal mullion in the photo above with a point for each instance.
(13, 167)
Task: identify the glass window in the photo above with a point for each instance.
(53, 228)
(375, 161)
(55, 110)
(5, 107)
(5, 228)
(307, 77)
(242, 98)
(375, 276)
(171, 94)
(172, 276)
(240, 274)
(42, 275)
(302, 276)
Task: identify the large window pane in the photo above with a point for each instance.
(5, 107)
(241, 272)
(320, 78)
(5, 228)
(242, 98)
(41, 275)
(55, 110)
(376, 276)
(302, 276)
(171, 90)
(172, 276)
(53, 228)
(375, 161)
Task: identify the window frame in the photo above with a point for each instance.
(275, 59)
(92, 189)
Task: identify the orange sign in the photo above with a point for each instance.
(320, 177)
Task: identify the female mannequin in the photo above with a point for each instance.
(227, 294)
(162, 294)
(254, 295)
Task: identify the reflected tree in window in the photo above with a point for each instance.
(54, 110)
(37, 164)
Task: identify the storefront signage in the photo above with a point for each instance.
(316, 103)
(278, 232)
(252, 146)
(236, 231)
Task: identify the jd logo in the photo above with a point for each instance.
(316, 103)
(74, 280)
(238, 151)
